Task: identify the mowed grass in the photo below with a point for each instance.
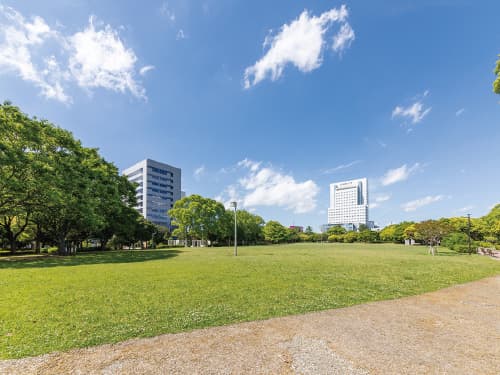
(61, 303)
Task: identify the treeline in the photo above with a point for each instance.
(450, 232)
(54, 191)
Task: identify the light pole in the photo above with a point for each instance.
(468, 232)
(235, 206)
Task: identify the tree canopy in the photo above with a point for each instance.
(496, 83)
(54, 187)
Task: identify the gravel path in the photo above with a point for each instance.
(451, 331)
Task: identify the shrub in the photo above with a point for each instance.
(350, 237)
(335, 238)
(456, 241)
(52, 250)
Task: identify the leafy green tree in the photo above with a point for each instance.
(496, 84)
(432, 231)
(275, 232)
(456, 241)
(249, 226)
(337, 229)
(369, 236)
(197, 217)
(409, 232)
(350, 237)
(388, 234)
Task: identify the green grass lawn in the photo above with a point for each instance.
(54, 303)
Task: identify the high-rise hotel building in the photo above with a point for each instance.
(158, 187)
(349, 203)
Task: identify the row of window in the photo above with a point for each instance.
(171, 180)
(161, 171)
(160, 185)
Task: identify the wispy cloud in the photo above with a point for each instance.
(465, 209)
(267, 186)
(340, 167)
(415, 112)
(402, 173)
(417, 203)
(300, 43)
(146, 69)
(198, 172)
(379, 199)
(180, 35)
(91, 58)
(460, 112)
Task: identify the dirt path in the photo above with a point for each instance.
(451, 331)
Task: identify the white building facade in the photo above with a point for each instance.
(158, 188)
(349, 203)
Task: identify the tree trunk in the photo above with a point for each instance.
(13, 245)
(61, 248)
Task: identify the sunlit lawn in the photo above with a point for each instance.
(55, 303)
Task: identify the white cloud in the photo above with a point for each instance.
(343, 38)
(180, 35)
(340, 167)
(379, 200)
(146, 69)
(20, 40)
(266, 186)
(399, 174)
(415, 112)
(465, 209)
(198, 172)
(382, 198)
(459, 112)
(414, 205)
(100, 59)
(300, 43)
(92, 58)
(252, 165)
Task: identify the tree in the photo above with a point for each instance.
(50, 181)
(275, 232)
(249, 227)
(388, 233)
(432, 231)
(351, 236)
(496, 84)
(198, 218)
(337, 229)
(409, 232)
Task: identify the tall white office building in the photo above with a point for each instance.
(349, 203)
(159, 187)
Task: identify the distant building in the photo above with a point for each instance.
(349, 204)
(159, 187)
(297, 228)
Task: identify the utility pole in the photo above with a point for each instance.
(235, 205)
(468, 230)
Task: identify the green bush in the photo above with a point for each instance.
(487, 244)
(52, 250)
(350, 237)
(456, 241)
(335, 238)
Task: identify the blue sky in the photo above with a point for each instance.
(270, 102)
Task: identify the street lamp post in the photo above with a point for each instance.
(235, 206)
(468, 232)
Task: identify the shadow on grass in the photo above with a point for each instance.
(104, 257)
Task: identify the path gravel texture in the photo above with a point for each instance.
(451, 331)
